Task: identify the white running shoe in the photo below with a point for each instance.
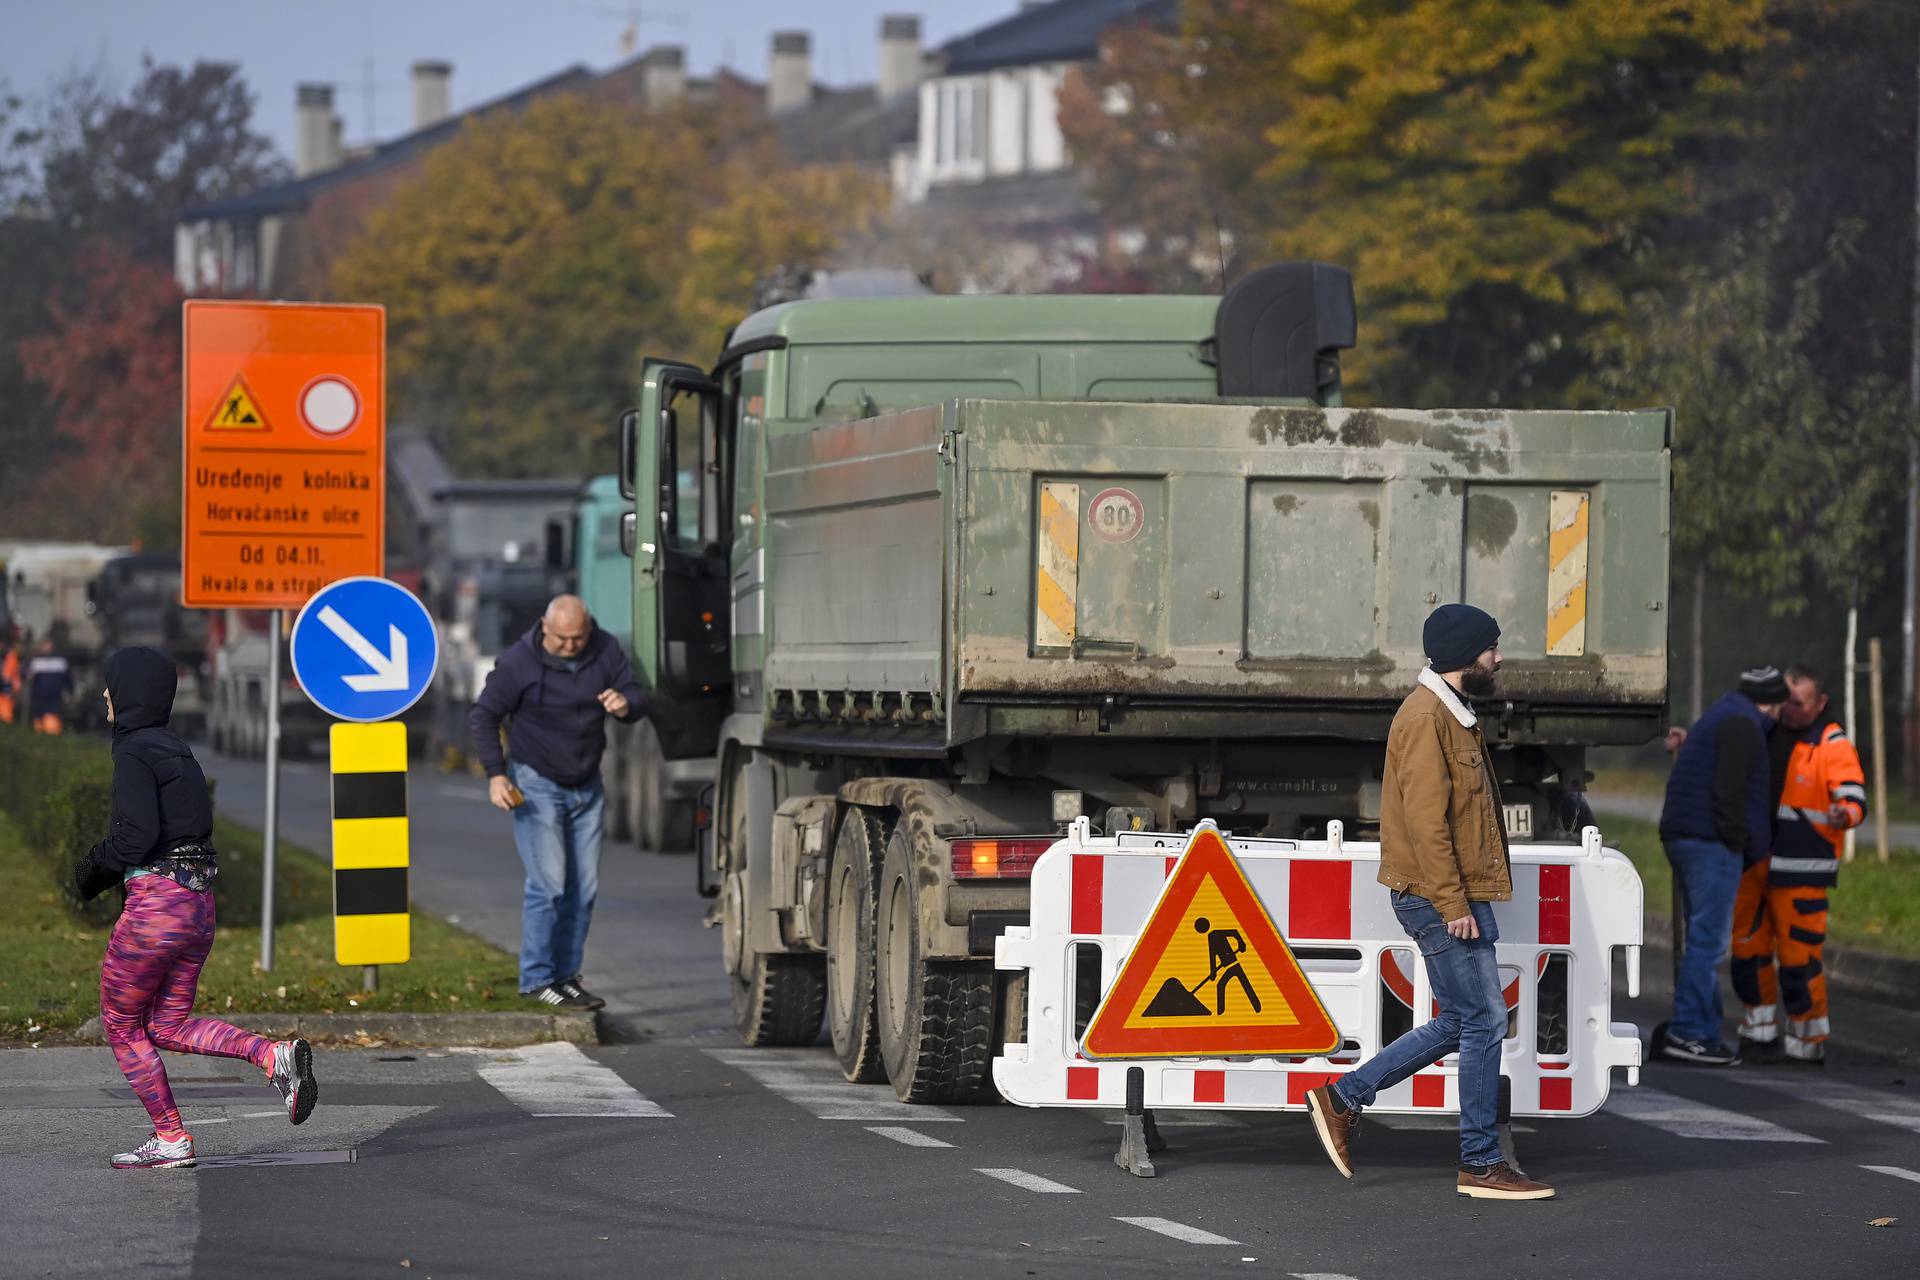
(155, 1153)
(292, 1075)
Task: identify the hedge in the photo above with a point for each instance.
(58, 791)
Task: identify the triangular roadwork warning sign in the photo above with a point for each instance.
(238, 410)
(1210, 976)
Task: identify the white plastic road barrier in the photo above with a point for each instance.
(1091, 898)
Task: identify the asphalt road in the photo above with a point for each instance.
(678, 1153)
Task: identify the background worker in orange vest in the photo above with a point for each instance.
(1780, 912)
(49, 681)
(10, 690)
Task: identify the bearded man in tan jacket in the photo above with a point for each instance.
(1443, 856)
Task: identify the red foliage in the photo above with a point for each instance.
(111, 367)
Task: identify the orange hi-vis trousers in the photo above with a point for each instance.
(49, 723)
(1786, 924)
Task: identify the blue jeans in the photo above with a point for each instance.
(558, 833)
(1708, 874)
(1472, 1020)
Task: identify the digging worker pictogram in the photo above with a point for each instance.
(1224, 949)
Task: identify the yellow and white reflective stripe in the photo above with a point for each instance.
(1802, 864)
(1567, 573)
(1809, 1028)
(1056, 576)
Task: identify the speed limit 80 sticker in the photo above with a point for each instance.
(1116, 514)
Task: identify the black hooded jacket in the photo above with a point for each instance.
(160, 796)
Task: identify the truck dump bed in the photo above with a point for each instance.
(990, 566)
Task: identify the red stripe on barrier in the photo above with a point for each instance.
(1556, 906)
(1209, 1086)
(1301, 1083)
(1171, 864)
(1556, 1066)
(1083, 1083)
(1319, 899)
(1556, 1094)
(1429, 1091)
(1089, 883)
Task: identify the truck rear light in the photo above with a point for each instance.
(998, 859)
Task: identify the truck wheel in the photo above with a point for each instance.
(616, 782)
(935, 1017)
(778, 999)
(850, 884)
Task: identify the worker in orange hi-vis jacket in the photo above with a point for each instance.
(1780, 913)
(10, 690)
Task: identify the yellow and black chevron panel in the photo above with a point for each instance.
(370, 908)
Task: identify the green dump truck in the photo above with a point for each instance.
(929, 578)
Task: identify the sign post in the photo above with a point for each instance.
(365, 649)
(283, 430)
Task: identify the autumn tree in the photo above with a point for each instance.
(1498, 177)
(537, 257)
(110, 368)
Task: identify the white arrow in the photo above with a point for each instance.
(389, 669)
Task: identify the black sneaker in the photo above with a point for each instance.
(1701, 1053)
(577, 992)
(558, 996)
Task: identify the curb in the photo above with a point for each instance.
(1889, 979)
(431, 1030)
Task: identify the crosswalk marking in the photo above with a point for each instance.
(1031, 1181)
(1685, 1118)
(1876, 1105)
(811, 1080)
(1892, 1171)
(553, 1080)
(907, 1137)
(1178, 1230)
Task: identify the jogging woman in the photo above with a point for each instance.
(161, 849)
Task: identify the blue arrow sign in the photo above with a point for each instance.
(364, 649)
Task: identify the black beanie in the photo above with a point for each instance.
(1456, 634)
(1764, 685)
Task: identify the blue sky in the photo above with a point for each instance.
(495, 46)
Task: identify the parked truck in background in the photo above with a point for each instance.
(928, 578)
(650, 800)
(136, 600)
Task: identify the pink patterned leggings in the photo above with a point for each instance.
(146, 992)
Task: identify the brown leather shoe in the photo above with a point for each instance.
(1501, 1182)
(1335, 1127)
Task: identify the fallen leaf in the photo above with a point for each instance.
(406, 1262)
(1881, 1222)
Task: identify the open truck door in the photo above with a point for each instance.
(675, 465)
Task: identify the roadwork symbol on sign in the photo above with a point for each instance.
(1210, 976)
(237, 410)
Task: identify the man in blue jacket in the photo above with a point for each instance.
(1717, 820)
(553, 686)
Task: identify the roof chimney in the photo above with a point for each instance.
(432, 93)
(901, 61)
(663, 75)
(790, 72)
(316, 132)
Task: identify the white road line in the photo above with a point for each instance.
(811, 1080)
(1319, 1275)
(1176, 1118)
(559, 1080)
(1892, 1171)
(906, 1137)
(1685, 1118)
(1443, 1123)
(1178, 1230)
(1895, 1110)
(1031, 1181)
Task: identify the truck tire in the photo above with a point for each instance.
(778, 999)
(851, 878)
(616, 781)
(935, 1017)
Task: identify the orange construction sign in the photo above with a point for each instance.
(285, 444)
(1210, 976)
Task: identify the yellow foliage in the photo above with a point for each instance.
(533, 261)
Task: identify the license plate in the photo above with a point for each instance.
(1519, 820)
